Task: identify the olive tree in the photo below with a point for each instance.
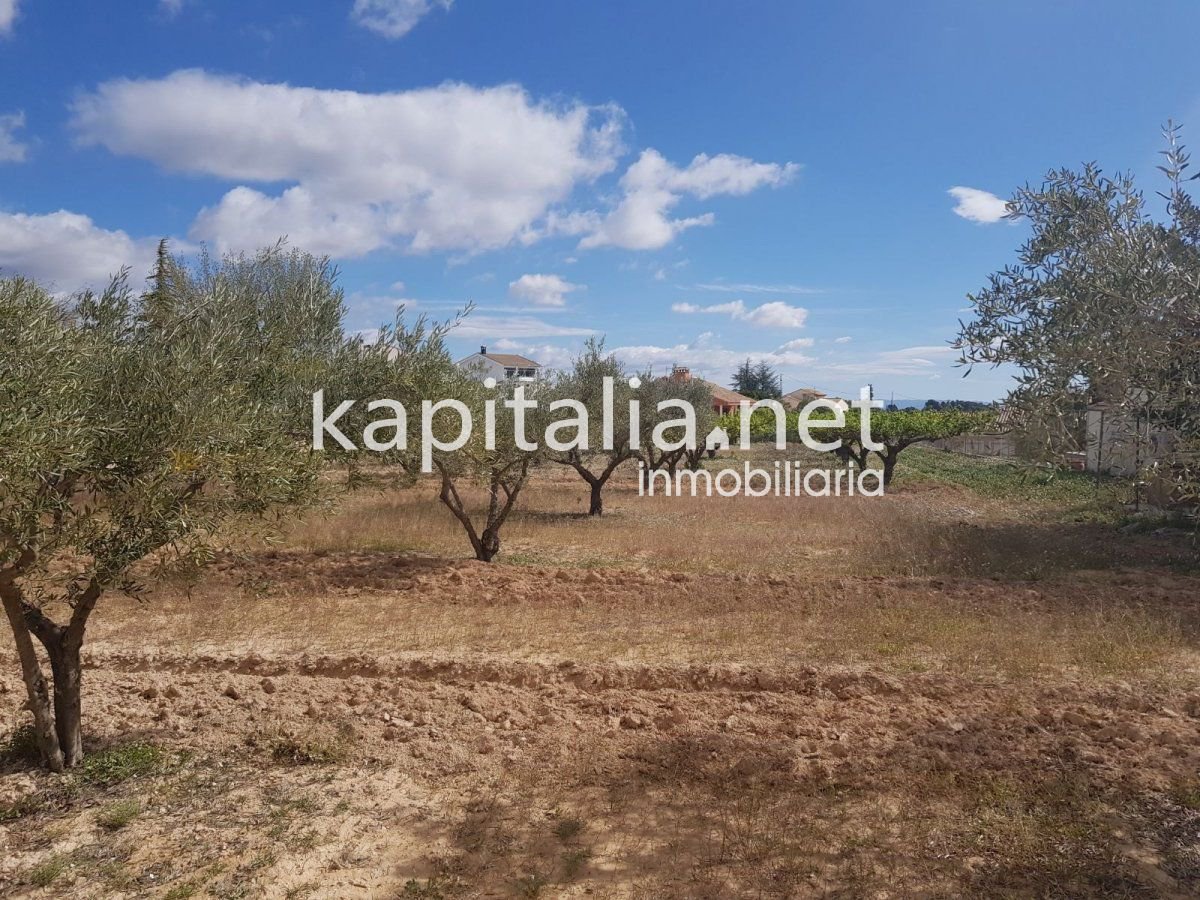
(674, 444)
(424, 415)
(584, 384)
(133, 426)
(700, 396)
(1102, 304)
(500, 459)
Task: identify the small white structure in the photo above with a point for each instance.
(718, 439)
(1121, 440)
(501, 366)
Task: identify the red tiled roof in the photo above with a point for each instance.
(724, 394)
(512, 360)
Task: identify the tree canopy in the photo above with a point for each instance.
(1102, 304)
(135, 425)
(758, 381)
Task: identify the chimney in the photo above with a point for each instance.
(681, 373)
(483, 349)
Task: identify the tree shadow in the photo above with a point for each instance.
(1039, 550)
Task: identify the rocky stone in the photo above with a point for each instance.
(268, 686)
(232, 692)
(634, 721)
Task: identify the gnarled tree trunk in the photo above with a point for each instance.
(35, 684)
(68, 706)
(596, 501)
(36, 689)
(596, 480)
(486, 543)
(63, 645)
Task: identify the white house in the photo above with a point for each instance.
(501, 366)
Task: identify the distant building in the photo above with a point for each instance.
(800, 398)
(501, 366)
(796, 400)
(724, 400)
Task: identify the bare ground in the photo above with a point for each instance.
(645, 710)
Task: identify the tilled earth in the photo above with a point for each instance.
(438, 774)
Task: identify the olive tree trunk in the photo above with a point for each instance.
(596, 480)
(57, 711)
(596, 501)
(67, 672)
(35, 685)
(507, 481)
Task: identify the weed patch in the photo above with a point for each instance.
(113, 765)
(311, 750)
(48, 871)
(117, 815)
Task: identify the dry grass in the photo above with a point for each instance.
(933, 576)
(923, 527)
(950, 691)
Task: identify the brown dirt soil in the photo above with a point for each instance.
(633, 780)
(358, 713)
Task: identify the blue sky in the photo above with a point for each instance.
(698, 182)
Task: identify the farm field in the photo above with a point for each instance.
(982, 684)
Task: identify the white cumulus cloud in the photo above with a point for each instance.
(449, 167)
(393, 18)
(652, 187)
(843, 340)
(446, 168)
(67, 251)
(11, 149)
(775, 314)
(8, 15)
(978, 206)
(542, 290)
